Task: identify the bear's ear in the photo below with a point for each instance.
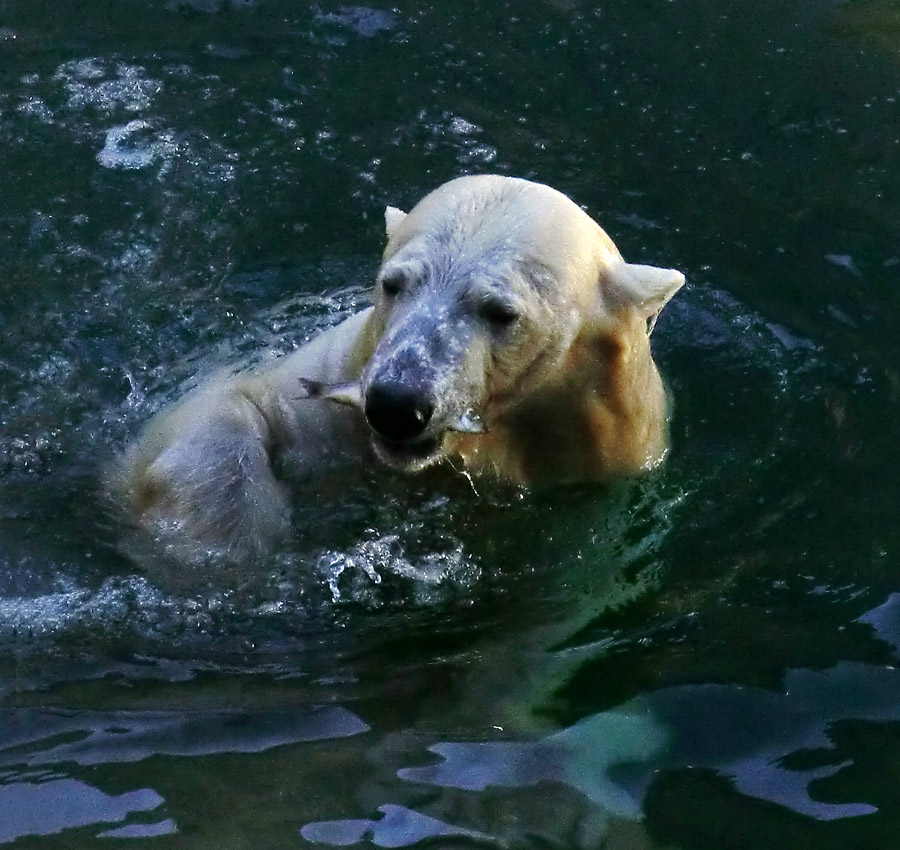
(392, 219)
(645, 287)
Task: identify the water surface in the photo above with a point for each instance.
(703, 658)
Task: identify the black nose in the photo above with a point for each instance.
(397, 412)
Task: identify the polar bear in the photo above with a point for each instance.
(508, 338)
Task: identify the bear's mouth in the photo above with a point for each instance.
(421, 452)
(403, 455)
(408, 455)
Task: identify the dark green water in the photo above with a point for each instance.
(704, 659)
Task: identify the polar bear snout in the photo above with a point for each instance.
(399, 415)
(397, 412)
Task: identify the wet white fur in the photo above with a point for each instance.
(202, 474)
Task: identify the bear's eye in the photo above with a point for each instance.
(393, 283)
(500, 314)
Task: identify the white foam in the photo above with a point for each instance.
(131, 146)
(53, 613)
(92, 83)
(355, 575)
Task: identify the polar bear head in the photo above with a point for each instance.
(497, 303)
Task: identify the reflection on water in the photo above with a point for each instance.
(773, 746)
(50, 738)
(40, 747)
(398, 827)
(759, 740)
(583, 757)
(37, 804)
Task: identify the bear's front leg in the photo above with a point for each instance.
(201, 480)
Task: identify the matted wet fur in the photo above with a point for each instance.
(508, 337)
